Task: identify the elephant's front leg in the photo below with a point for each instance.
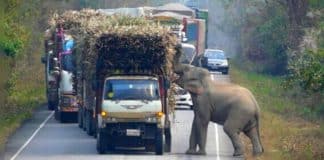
(193, 138)
(202, 136)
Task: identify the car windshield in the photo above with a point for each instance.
(131, 89)
(215, 54)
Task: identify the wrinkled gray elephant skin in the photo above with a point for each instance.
(230, 105)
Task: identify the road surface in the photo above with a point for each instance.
(43, 138)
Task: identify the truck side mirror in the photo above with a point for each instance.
(43, 59)
(56, 73)
(167, 84)
(55, 62)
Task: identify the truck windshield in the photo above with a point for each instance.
(131, 89)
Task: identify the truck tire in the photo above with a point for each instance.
(94, 127)
(159, 142)
(80, 120)
(89, 126)
(84, 120)
(51, 105)
(101, 143)
(168, 140)
(57, 114)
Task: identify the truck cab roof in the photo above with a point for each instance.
(144, 77)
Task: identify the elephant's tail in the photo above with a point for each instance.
(257, 118)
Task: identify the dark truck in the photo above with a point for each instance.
(59, 73)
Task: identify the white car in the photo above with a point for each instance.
(183, 99)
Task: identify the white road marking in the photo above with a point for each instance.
(31, 138)
(216, 132)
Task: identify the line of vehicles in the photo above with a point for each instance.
(122, 106)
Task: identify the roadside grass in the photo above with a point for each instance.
(22, 86)
(285, 133)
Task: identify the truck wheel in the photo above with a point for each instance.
(80, 118)
(51, 105)
(94, 127)
(63, 118)
(89, 123)
(101, 143)
(84, 119)
(159, 142)
(168, 140)
(57, 114)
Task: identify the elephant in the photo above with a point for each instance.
(229, 105)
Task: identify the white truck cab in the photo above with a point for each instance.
(131, 113)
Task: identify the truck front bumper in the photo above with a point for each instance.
(134, 134)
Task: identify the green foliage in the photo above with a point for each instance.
(12, 40)
(13, 35)
(272, 44)
(11, 83)
(267, 42)
(317, 4)
(307, 72)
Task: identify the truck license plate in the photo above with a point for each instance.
(133, 132)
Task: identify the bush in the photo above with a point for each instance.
(307, 72)
(12, 39)
(268, 43)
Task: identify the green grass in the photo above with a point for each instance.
(9, 125)
(284, 131)
(26, 92)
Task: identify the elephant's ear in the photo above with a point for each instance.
(194, 87)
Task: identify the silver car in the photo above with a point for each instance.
(216, 60)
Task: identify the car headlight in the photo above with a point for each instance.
(225, 63)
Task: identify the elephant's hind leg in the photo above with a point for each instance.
(255, 140)
(232, 130)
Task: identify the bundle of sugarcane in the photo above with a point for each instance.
(121, 42)
(137, 48)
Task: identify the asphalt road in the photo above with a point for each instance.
(43, 138)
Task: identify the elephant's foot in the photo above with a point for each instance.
(201, 152)
(238, 153)
(191, 151)
(257, 153)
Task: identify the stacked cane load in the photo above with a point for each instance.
(112, 43)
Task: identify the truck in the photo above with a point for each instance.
(121, 79)
(132, 93)
(193, 23)
(59, 73)
(51, 81)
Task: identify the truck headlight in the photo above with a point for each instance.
(151, 119)
(159, 114)
(104, 114)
